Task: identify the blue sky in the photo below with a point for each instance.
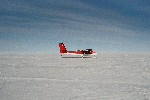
(103, 25)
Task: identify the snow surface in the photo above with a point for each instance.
(43, 76)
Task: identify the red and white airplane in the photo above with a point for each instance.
(82, 53)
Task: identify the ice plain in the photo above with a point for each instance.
(46, 76)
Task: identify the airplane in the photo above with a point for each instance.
(82, 53)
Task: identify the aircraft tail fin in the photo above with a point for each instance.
(62, 48)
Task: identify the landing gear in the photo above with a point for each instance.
(82, 56)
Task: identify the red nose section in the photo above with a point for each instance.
(62, 48)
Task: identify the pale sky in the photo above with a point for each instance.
(103, 25)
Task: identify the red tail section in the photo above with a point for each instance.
(62, 48)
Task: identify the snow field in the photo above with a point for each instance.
(43, 76)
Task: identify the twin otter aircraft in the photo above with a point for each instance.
(82, 53)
